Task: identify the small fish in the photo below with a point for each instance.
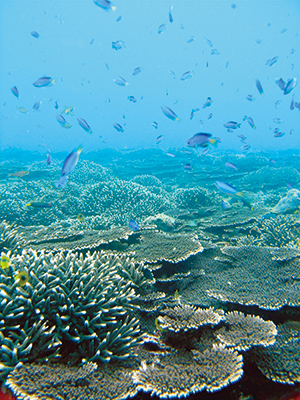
(120, 81)
(251, 122)
(277, 104)
(278, 120)
(39, 205)
(56, 105)
(22, 278)
(107, 67)
(247, 147)
(291, 84)
(205, 151)
(230, 165)
(105, 5)
(233, 6)
(232, 125)
(119, 18)
(209, 43)
(84, 125)
(249, 97)
(292, 105)
(228, 189)
(35, 34)
(68, 166)
(273, 161)
(170, 154)
(60, 119)
(22, 110)
(186, 75)
(276, 130)
(230, 130)
(36, 105)
(137, 70)
(92, 41)
(169, 113)
(44, 81)
(259, 87)
(118, 45)
(161, 28)
(133, 225)
(4, 261)
(283, 30)
(200, 139)
(49, 159)
(272, 61)
(118, 127)
(193, 111)
(280, 83)
(258, 41)
(279, 134)
(201, 122)
(69, 110)
(215, 51)
(227, 64)
(15, 91)
(80, 217)
(207, 103)
(209, 116)
(187, 166)
(131, 98)
(173, 74)
(291, 131)
(187, 152)
(154, 124)
(170, 14)
(19, 174)
(242, 137)
(289, 185)
(190, 39)
(226, 205)
(159, 139)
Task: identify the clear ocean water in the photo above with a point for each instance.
(162, 136)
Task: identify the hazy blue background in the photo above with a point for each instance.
(63, 51)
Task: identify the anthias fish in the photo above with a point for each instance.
(43, 82)
(68, 166)
(84, 125)
(133, 225)
(201, 139)
(15, 91)
(169, 113)
(39, 205)
(105, 5)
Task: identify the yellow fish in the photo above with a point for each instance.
(4, 261)
(22, 277)
(80, 217)
(22, 110)
(20, 174)
(176, 294)
(157, 324)
(69, 110)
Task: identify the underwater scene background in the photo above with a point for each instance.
(149, 200)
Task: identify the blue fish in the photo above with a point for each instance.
(159, 139)
(118, 127)
(154, 124)
(201, 139)
(68, 166)
(44, 81)
(35, 34)
(120, 81)
(137, 70)
(15, 91)
(36, 105)
(162, 28)
(259, 87)
(119, 44)
(228, 189)
(84, 125)
(170, 14)
(105, 5)
(49, 159)
(133, 225)
(207, 103)
(291, 84)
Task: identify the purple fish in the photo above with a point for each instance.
(120, 81)
(259, 87)
(159, 139)
(250, 97)
(68, 166)
(154, 124)
(230, 165)
(205, 151)
(187, 166)
(49, 159)
(247, 147)
(15, 91)
(228, 189)
(280, 83)
(84, 125)
(279, 134)
(186, 75)
(44, 81)
(200, 139)
(232, 125)
(209, 116)
(36, 105)
(251, 122)
(289, 185)
(169, 113)
(133, 225)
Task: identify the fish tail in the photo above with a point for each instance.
(177, 119)
(238, 125)
(80, 148)
(240, 194)
(114, 8)
(89, 131)
(53, 81)
(214, 142)
(254, 127)
(126, 84)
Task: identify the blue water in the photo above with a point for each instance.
(65, 51)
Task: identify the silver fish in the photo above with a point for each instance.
(169, 113)
(120, 81)
(291, 84)
(44, 81)
(84, 125)
(230, 165)
(15, 91)
(232, 125)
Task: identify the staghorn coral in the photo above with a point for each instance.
(10, 239)
(246, 275)
(288, 204)
(184, 318)
(280, 362)
(181, 373)
(244, 331)
(193, 198)
(102, 382)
